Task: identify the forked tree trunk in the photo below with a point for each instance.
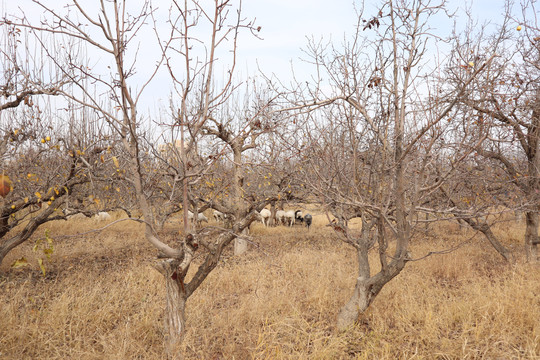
(367, 287)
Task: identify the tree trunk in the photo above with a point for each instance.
(23, 235)
(273, 211)
(531, 235)
(533, 155)
(362, 296)
(175, 311)
(357, 304)
(240, 245)
(10, 244)
(485, 229)
(495, 243)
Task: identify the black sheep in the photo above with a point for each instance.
(308, 219)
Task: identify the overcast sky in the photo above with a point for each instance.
(285, 25)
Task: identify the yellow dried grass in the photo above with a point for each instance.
(101, 299)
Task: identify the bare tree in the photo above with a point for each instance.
(111, 29)
(505, 103)
(239, 129)
(371, 141)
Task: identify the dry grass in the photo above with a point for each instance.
(101, 299)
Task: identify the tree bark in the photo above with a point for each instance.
(483, 227)
(365, 291)
(495, 243)
(28, 230)
(490, 236)
(362, 296)
(240, 245)
(273, 211)
(357, 304)
(531, 235)
(175, 312)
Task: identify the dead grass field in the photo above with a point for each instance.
(101, 299)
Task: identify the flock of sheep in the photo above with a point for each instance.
(286, 218)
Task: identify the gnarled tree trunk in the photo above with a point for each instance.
(357, 304)
(361, 297)
(175, 312)
(367, 287)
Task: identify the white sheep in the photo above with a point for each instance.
(102, 216)
(219, 216)
(265, 216)
(289, 218)
(200, 218)
(280, 217)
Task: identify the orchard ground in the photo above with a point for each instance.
(102, 299)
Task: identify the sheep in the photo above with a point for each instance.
(289, 218)
(280, 217)
(68, 212)
(200, 218)
(219, 216)
(224, 218)
(265, 216)
(102, 216)
(308, 219)
(298, 216)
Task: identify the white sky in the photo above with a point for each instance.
(285, 24)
